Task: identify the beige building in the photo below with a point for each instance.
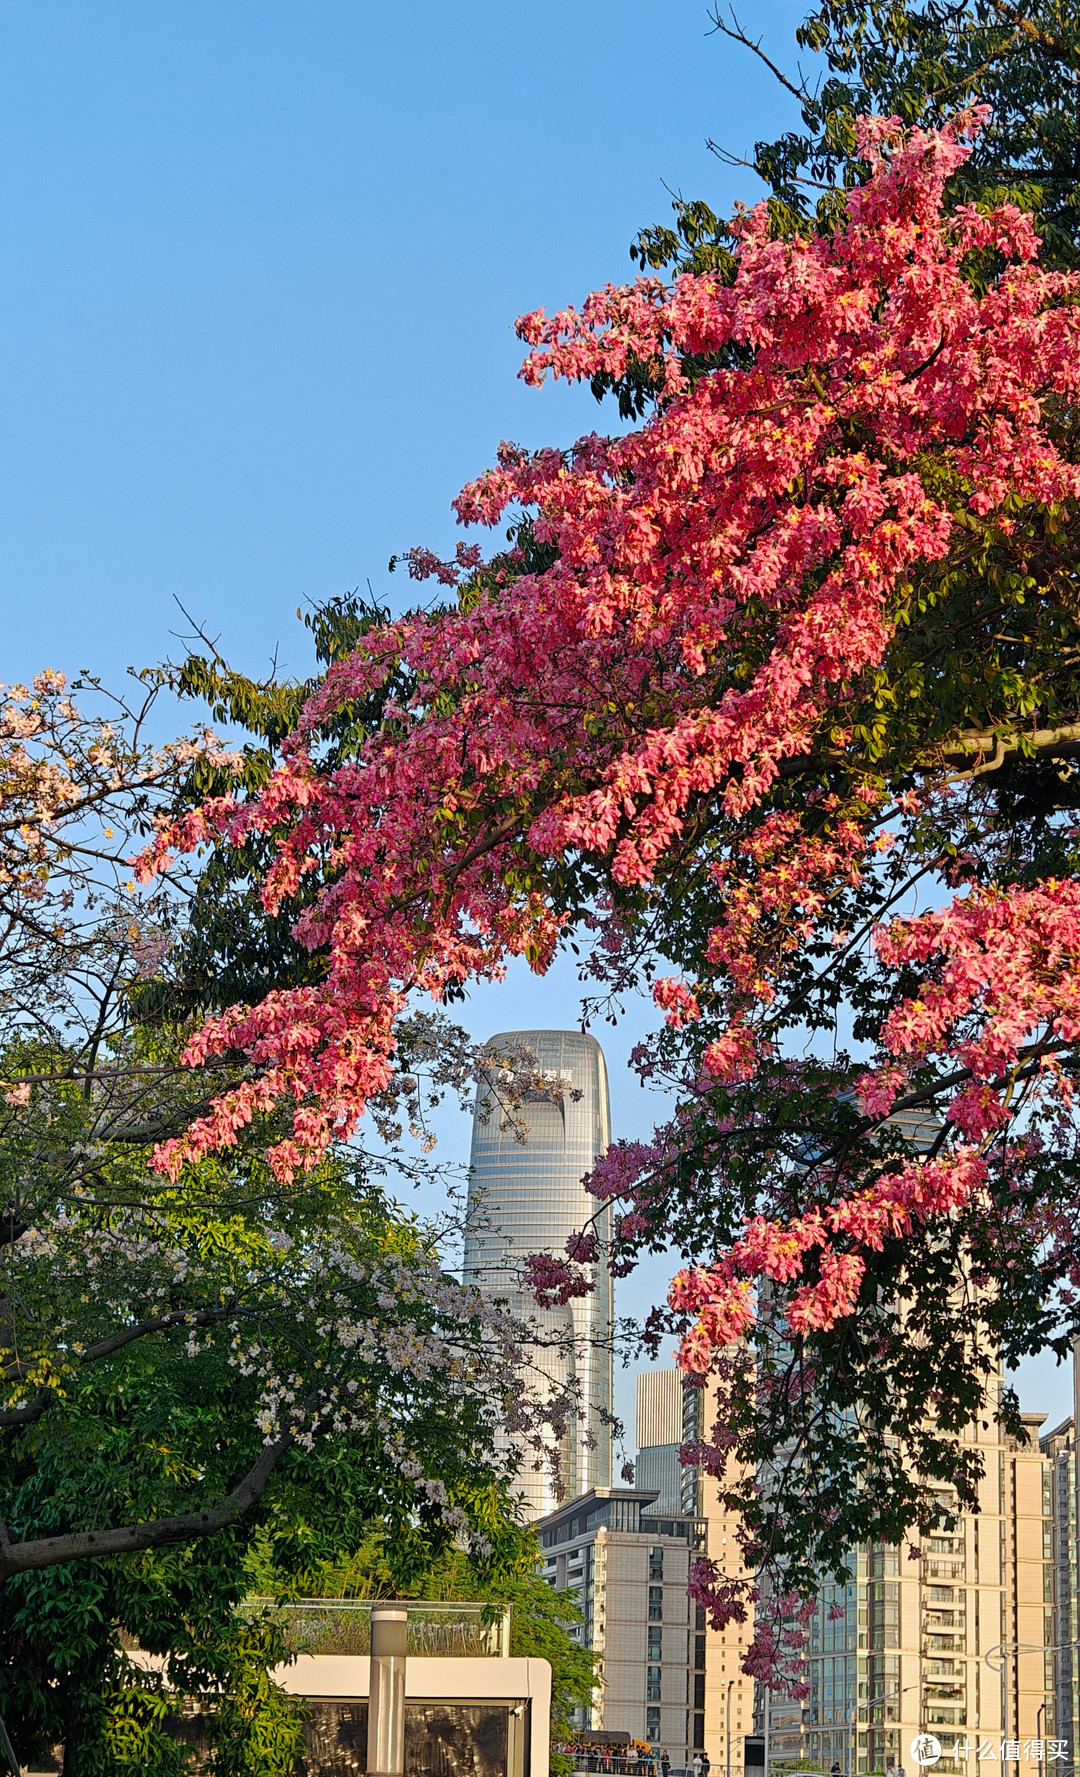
(1059, 1448)
(670, 1415)
(629, 1567)
(913, 1643)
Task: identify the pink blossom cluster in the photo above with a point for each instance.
(585, 708)
(773, 894)
(1003, 986)
(553, 1281)
(719, 1298)
(678, 1004)
(775, 1654)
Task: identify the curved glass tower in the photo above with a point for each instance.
(526, 1196)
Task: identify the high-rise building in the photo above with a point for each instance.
(1059, 1447)
(530, 1150)
(660, 1437)
(917, 1643)
(670, 1414)
(628, 1566)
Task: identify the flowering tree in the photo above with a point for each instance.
(922, 62)
(193, 1370)
(778, 697)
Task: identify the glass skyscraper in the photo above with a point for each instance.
(526, 1196)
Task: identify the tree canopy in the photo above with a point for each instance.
(775, 696)
(922, 61)
(209, 1375)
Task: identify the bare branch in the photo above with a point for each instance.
(738, 35)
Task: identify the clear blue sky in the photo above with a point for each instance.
(260, 266)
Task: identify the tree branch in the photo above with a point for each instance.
(978, 743)
(988, 748)
(738, 35)
(1055, 47)
(33, 1410)
(127, 1539)
(12, 1226)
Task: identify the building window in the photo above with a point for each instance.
(654, 1643)
(652, 1724)
(656, 1603)
(652, 1684)
(656, 1564)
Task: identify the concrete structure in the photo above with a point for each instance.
(629, 1569)
(489, 1716)
(902, 1648)
(520, 1688)
(530, 1148)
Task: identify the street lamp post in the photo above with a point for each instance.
(853, 1720)
(386, 1691)
(1013, 1648)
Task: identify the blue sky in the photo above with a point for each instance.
(261, 263)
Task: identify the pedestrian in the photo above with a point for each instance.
(835, 1772)
(665, 1764)
(695, 1766)
(704, 1764)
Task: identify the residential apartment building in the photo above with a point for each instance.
(672, 1414)
(914, 1641)
(1059, 1448)
(629, 1568)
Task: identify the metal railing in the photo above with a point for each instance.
(452, 1629)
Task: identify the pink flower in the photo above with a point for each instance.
(677, 1001)
(552, 1281)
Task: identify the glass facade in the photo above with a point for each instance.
(526, 1196)
(908, 1644)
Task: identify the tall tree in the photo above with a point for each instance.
(752, 682)
(190, 1366)
(922, 62)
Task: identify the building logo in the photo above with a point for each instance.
(925, 1749)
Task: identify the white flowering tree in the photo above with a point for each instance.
(208, 1380)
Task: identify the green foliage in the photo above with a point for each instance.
(140, 1441)
(921, 60)
(544, 1624)
(232, 949)
(152, 1336)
